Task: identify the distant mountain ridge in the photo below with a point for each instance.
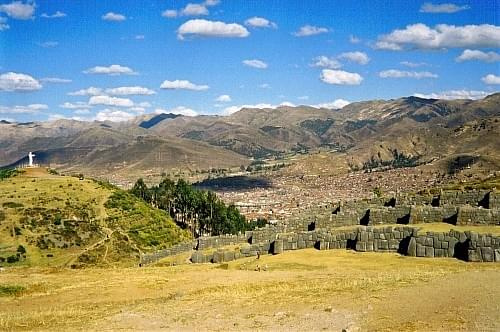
(370, 129)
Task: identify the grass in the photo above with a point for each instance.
(311, 289)
(62, 220)
(11, 290)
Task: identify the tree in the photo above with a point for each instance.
(21, 250)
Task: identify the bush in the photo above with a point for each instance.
(12, 259)
(21, 250)
(12, 205)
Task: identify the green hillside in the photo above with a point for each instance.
(52, 220)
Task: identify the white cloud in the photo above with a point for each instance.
(358, 57)
(309, 30)
(144, 104)
(303, 97)
(340, 77)
(413, 64)
(205, 28)
(81, 111)
(91, 91)
(27, 109)
(447, 8)
(182, 85)
(74, 106)
(3, 24)
(169, 13)
(420, 36)
(130, 90)
(255, 63)
(57, 14)
(265, 86)
(260, 22)
(182, 110)
(468, 55)
(393, 73)
(491, 79)
(111, 101)
(139, 37)
(55, 80)
(18, 82)
(49, 44)
(113, 17)
(326, 62)
(454, 94)
(111, 70)
(223, 98)
(336, 104)
(114, 115)
(19, 10)
(194, 9)
(210, 3)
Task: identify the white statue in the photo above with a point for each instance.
(30, 156)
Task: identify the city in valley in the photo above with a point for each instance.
(227, 165)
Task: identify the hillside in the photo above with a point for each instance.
(64, 221)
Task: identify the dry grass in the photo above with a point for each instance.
(301, 290)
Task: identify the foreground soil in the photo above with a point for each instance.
(301, 290)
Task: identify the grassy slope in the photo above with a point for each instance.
(71, 220)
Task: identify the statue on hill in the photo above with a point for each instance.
(31, 156)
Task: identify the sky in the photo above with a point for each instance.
(113, 60)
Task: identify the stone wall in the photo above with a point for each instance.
(174, 250)
(475, 207)
(406, 240)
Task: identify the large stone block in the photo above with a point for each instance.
(369, 246)
(218, 257)
(412, 247)
(197, 257)
(361, 246)
(228, 256)
(487, 254)
(474, 255)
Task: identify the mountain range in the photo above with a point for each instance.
(429, 130)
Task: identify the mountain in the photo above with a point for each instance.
(377, 131)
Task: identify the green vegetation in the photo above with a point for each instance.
(48, 220)
(7, 173)
(149, 228)
(199, 210)
(399, 160)
(317, 126)
(11, 290)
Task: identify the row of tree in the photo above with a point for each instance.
(199, 210)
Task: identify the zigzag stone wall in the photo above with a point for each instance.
(478, 207)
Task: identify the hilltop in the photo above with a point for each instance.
(70, 221)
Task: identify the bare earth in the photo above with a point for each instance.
(301, 290)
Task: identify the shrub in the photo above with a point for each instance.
(11, 290)
(21, 250)
(12, 259)
(12, 205)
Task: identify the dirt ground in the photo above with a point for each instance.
(306, 290)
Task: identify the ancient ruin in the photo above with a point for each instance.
(382, 224)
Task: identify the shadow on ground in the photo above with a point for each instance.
(241, 182)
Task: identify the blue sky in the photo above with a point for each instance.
(213, 57)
